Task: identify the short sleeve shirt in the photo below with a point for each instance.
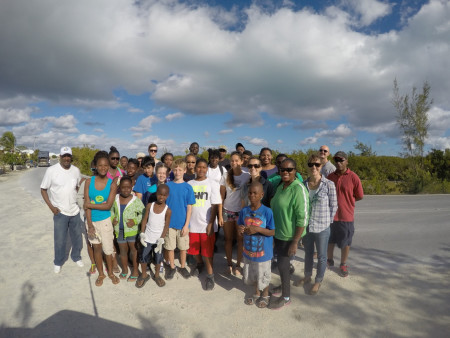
(207, 193)
(233, 200)
(180, 196)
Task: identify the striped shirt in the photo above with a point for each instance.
(322, 205)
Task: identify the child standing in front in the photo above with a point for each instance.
(203, 221)
(258, 227)
(180, 201)
(155, 225)
(126, 215)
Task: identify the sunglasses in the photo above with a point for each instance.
(256, 166)
(153, 150)
(115, 158)
(93, 170)
(317, 165)
(286, 169)
(323, 150)
(339, 159)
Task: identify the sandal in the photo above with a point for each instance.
(262, 302)
(116, 269)
(114, 279)
(303, 281)
(93, 269)
(132, 278)
(99, 281)
(228, 269)
(251, 300)
(237, 270)
(140, 282)
(314, 292)
(159, 281)
(123, 275)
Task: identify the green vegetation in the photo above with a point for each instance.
(82, 158)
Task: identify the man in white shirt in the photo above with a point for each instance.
(62, 180)
(327, 166)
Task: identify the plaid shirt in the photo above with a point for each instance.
(323, 206)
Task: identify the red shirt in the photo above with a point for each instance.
(348, 190)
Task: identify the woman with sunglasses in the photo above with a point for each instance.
(254, 168)
(114, 171)
(290, 207)
(323, 207)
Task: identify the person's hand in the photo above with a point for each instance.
(159, 244)
(142, 239)
(184, 231)
(87, 204)
(115, 221)
(250, 230)
(91, 232)
(292, 249)
(241, 229)
(220, 221)
(209, 229)
(55, 211)
(130, 223)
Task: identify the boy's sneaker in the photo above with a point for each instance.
(343, 270)
(183, 272)
(278, 303)
(330, 263)
(210, 283)
(170, 273)
(57, 269)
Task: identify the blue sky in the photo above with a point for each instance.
(291, 75)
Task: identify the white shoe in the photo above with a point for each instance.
(80, 263)
(57, 269)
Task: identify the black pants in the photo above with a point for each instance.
(282, 249)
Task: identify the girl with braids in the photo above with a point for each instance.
(99, 194)
(230, 185)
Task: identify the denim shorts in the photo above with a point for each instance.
(121, 239)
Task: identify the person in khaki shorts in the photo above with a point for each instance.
(180, 201)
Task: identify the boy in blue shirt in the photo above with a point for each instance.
(180, 201)
(146, 180)
(257, 226)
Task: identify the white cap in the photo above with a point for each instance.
(65, 150)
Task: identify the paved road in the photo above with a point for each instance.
(390, 230)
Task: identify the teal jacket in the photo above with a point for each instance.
(134, 210)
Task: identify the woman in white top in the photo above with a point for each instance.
(230, 186)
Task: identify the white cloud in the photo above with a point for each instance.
(145, 124)
(308, 141)
(368, 11)
(283, 124)
(12, 116)
(178, 115)
(335, 136)
(256, 141)
(98, 130)
(225, 131)
(135, 110)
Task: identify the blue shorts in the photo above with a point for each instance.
(121, 239)
(150, 256)
(341, 233)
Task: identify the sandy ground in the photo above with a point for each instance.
(413, 301)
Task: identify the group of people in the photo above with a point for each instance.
(149, 211)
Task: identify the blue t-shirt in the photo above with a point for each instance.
(257, 247)
(144, 182)
(180, 196)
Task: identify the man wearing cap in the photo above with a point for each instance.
(224, 162)
(327, 166)
(62, 181)
(348, 190)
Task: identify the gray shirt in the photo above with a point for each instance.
(327, 169)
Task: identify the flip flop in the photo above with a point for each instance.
(262, 302)
(114, 279)
(123, 275)
(142, 280)
(93, 269)
(99, 281)
(132, 278)
(313, 293)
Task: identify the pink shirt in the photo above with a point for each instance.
(119, 173)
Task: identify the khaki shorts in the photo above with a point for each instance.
(174, 240)
(257, 272)
(104, 230)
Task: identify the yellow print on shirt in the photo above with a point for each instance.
(201, 195)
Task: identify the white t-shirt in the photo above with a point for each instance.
(207, 193)
(155, 225)
(61, 184)
(215, 174)
(233, 198)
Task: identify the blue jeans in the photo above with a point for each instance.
(321, 241)
(62, 225)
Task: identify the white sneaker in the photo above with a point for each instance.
(57, 269)
(80, 263)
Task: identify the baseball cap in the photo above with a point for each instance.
(223, 148)
(138, 155)
(341, 154)
(65, 150)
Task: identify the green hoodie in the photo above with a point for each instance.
(134, 210)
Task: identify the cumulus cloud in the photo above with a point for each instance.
(283, 124)
(145, 124)
(225, 131)
(170, 117)
(335, 136)
(367, 11)
(256, 141)
(12, 116)
(135, 110)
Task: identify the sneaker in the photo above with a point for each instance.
(291, 269)
(80, 263)
(183, 272)
(276, 291)
(170, 273)
(210, 283)
(343, 270)
(279, 303)
(57, 269)
(330, 263)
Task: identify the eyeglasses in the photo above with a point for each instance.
(115, 158)
(339, 159)
(317, 165)
(251, 166)
(286, 169)
(323, 151)
(153, 150)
